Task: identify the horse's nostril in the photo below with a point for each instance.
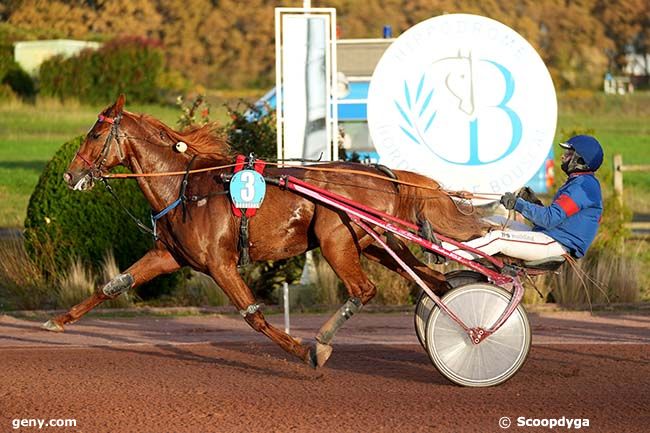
(67, 177)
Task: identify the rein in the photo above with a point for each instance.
(96, 173)
(459, 194)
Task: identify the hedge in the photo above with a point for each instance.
(127, 65)
(62, 224)
(13, 79)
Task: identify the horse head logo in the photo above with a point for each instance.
(445, 105)
(460, 81)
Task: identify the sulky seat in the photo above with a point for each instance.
(546, 264)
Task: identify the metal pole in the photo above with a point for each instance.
(285, 297)
(618, 178)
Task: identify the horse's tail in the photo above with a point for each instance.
(435, 205)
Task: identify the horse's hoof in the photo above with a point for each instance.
(323, 352)
(52, 326)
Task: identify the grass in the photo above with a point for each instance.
(23, 286)
(621, 124)
(627, 136)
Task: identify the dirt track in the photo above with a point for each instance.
(201, 374)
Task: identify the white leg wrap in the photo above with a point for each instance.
(118, 285)
(251, 309)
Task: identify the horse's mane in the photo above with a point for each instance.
(207, 141)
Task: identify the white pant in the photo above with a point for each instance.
(517, 240)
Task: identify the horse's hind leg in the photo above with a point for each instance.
(432, 278)
(153, 263)
(227, 277)
(342, 253)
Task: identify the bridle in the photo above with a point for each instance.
(95, 167)
(95, 173)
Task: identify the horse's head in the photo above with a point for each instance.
(100, 151)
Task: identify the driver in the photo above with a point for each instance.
(568, 225)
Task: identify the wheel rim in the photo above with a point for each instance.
(495, 359)
(422, 311)
(425, 304)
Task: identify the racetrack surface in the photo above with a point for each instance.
(213, 373)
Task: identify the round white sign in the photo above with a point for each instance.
(464, 100)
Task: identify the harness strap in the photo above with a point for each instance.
(143, 228)
(182, 195)
(180, 200)
(162, 213)
(106, 119)
(388, 172)
(244, 256)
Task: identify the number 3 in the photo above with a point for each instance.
(248, 192)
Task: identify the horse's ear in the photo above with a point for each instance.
(119, 104)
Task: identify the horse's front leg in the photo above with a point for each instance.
(226, 276)
(155, 262)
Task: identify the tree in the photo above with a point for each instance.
(626, 23)
(219, 43)
(573, 43)
(241, 45)
(132, 17)
(67, 19)
(184, 33)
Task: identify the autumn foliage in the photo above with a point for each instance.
(230, 44)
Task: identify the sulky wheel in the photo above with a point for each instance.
(425, 304)
(495, 359)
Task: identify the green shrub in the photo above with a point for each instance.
(6, 59)
(12, 76)
(194, 114)
(126, 65)
(172, 83)
(20, 82)
(59, 78)
(266, 277)
(258, 136)
(62, 224)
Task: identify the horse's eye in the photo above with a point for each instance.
(95, 135)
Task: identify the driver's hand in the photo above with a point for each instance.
(526, 193)
(508, 200)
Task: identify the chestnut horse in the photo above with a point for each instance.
(286, 225)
